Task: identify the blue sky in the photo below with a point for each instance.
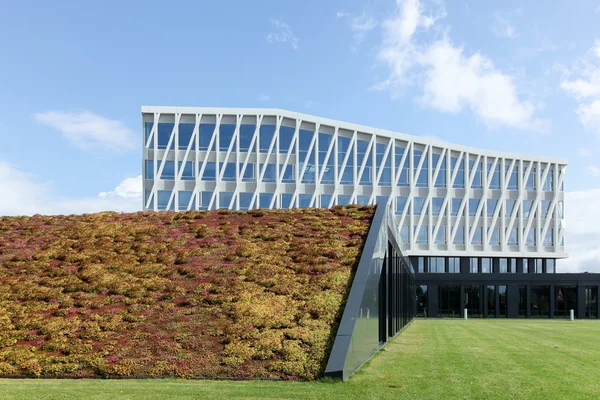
(511, 76)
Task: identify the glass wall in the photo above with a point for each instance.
(474, 300)
(491, 301)
(591, 301)
(540, 301)
(523, 301)
(565, 300)
(449, 301)
(502, 301)
(422, 301)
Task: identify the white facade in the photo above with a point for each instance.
(451, 200)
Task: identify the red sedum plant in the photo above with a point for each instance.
(217, 294)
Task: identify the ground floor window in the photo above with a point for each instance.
(449, 301)
(422, 301)
(491, 301)
(502, 301)
(591, 301)
(565, 300)
(474, 300)
(523, 301)
(540, 301)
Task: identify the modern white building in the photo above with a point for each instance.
(450, 200)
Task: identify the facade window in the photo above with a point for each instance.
(206, 134)
(513, 265)
(503, 265)
(440, 180)
(185, 136)
(245, 199)
(383, 166)
(188, 171)
(491, 207)
(266, 134)
(286, 134)
(455, 206)
(205, 198)
(423, 178)
(495, 182)
(527, 207)
(404, 233)
(513, 237)
(164, 134)
(163, 199)
(422, 236)
(421, 264)
(436, 265)
(545, 208)
(183, 200)
(473, 204)
(513, 180)
(149, 169)
(227, 171)
(304, 200)
(326, 200)
(147, 130)
(436, 205)
(454, 265)
(362, 200)
(474, 265)
(561, 214)
(550, 266)
(270, 173)
(286, 200)
(525, 266)
(226, 132)
(476, 174)
(418, 204)
(343, 199)
(246, 135)
(225, 199)
(510, 205)
(440, 237)
(287, 173)
(404, 175)
(264, 200)
(459, 237)
(549, 238)
(538, 266)
(147, 194)
(531, 238)
(477, 236)
(210, 171)
(495, 237)
(459, 181)
(248, 174)
(549, 182)
(168, 172)
(400, 204)
(530, 183)
(346, 172)
(486, 265)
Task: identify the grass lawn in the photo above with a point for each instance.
(431, 359)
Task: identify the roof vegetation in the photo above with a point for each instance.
(217, 294)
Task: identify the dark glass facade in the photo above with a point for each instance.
(503, 288)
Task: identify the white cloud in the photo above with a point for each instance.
(503, 28)
(583, 152)
(583, 232)
(87, 130)
(593, 170)
(264, 97)
(361, 25)
(24, 194)
(341, 14)
(582, 81)
(451, 79)
(283, 34)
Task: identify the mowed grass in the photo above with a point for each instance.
(431, 359)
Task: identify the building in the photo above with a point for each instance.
(483, 229)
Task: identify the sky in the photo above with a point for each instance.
(510, 76)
